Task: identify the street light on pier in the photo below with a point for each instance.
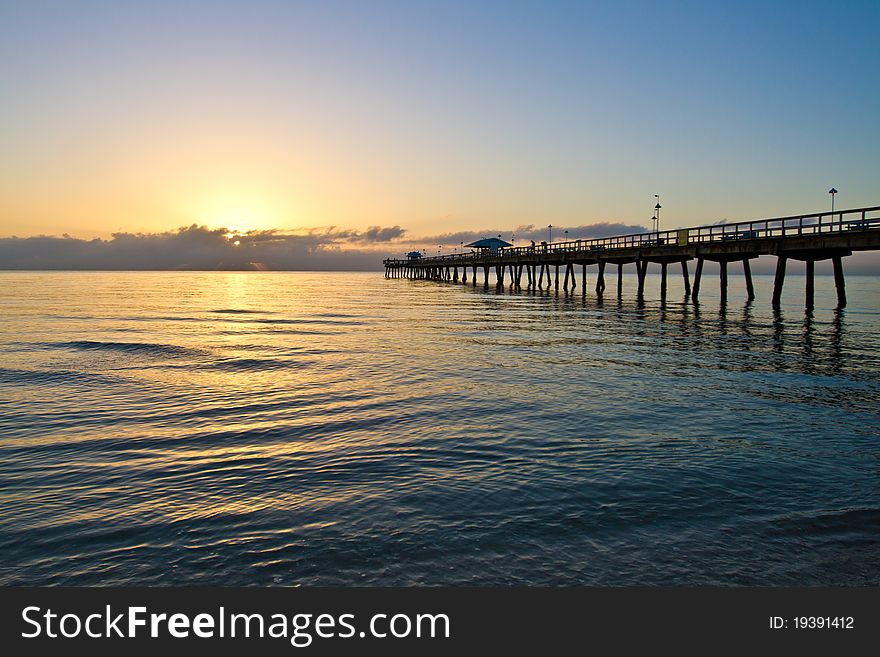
(550, 234)
(833, 193)
(657, 214)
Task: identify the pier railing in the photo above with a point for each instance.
(841, 221)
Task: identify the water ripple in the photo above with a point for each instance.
(344, 429)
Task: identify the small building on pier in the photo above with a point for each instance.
(489, 246)
(414, 255)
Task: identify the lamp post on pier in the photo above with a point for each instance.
(657, 214)
(833, 193)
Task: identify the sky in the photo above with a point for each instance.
(369, 126)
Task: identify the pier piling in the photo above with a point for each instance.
(723, 265)
(810, 283)
(698, 276)
(839, 282)
(779, 280)
(641, 272)
(663, 266)
(747, 272)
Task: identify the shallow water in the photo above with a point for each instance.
(337, 428)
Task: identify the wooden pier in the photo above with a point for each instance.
(813, 237)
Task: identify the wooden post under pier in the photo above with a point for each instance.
(810, 286)
(663, 266)
(839, 282)
(641, 271)
(698, 276)
(747, 272)
(779, 280)
(723, 265)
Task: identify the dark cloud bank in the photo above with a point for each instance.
(330, 249)
(524, 233)
(202, 248)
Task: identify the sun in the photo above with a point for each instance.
(232, 235)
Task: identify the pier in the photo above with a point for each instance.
(810, 238)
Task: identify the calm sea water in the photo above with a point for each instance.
(306, 429)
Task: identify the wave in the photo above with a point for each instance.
(270, 329)
(255, 364)
(859, 520)
(238, 311)
(297, 321)
(148, 348)
(329, 322)
(17, 376)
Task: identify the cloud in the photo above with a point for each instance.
(379, 234)
(527, 232)
(203, 248)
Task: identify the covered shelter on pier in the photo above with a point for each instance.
(489, 245)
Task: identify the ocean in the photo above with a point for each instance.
(298, 428)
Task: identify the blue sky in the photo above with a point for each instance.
(148, 116)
